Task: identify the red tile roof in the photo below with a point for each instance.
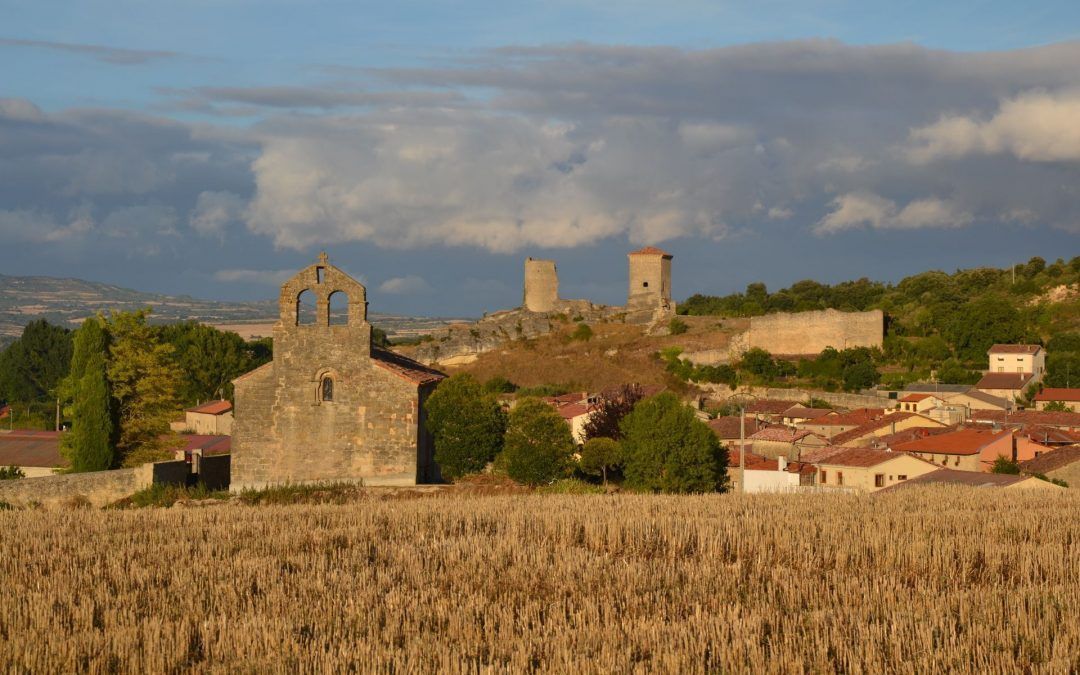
(915, 398)
(567, 399)
(803, 412)
(819, 455)
(212, 408)
(1047, 435)
(1058, 394)
(38, 449)
(861, 457)
(572, 410)
(1014, 349)
(753, 462)
(873, 425)
(727, 428)
(955, 477)
(782, 435)
(650, 250)
(404, 367)
(1066, 420)
(914, 433)
(769, 406)
(959, 442)
(857, 417)
(1050, 461)
(209, 444)
(1015, 381)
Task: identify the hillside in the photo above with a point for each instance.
(67, 301)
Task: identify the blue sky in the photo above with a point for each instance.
(208, 147)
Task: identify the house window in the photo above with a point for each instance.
(326, 389)
(879, 480)
(901, 477)
(1001, 369)
(824, 477)
(839, 477)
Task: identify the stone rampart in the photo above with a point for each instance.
(810, 332)
(838, 399)
(99, 488)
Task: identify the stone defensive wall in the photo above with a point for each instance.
(836, 398)
(96, 488)
(810, 332)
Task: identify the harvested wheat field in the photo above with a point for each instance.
(920, 581)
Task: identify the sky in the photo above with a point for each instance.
(213, 147)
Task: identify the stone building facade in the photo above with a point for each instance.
(649, 295)
(541, 285)
(331, 406)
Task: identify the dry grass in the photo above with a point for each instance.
(919, 581)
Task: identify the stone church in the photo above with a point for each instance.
(331, 406)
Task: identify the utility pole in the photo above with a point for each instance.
(57, 413)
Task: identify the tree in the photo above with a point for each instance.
(759, 362)
(953, 372)
(34, 364)
(1062, 369)
(144, 381)
(1005, 465)
(538, 445)
(601, 455)
(468, 425)
(979, 324)
(500, 385)
(89, 444)
(1057, 406)
(667, 449)
(210, 359)
(860, 376)
(610, 411)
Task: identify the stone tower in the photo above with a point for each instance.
(541, 285)
(330, 406)
(650, 285)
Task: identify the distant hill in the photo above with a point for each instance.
(67, 302)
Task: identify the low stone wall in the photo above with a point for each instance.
(838, 399)
(98, 488)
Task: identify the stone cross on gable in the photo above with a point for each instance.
(323, 258)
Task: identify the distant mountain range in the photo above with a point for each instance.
(67, 302)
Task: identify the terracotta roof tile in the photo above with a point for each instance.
(209, 444)
(856, 417)
(39, 449)
(727, 428)
(1058, 394)
(782, 435)
(959, 442)
(1066, 420)
(572, 410)
(1050, 461)
(1004, 381)
(875, 424)
(863, 457)
(915, 398)
(955, 477)
(212, 408)
(405, 367)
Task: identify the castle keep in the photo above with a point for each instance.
(331, 406)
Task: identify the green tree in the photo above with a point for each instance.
(500, 385)
(1062, 369)
(210, 359)
(144, 381)
(981, 323)
(667, 449)
(468, 425)
(953, 372)
(860, 375)
(538, 447)
(1005, 465)
(89, 444)
(1057, 406)
(34, 364)
(757, 361)
(601, 455)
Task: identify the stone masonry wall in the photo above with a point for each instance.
(99, 487)
(811, 332)
(541, 285)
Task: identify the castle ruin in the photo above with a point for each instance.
(541, 285)
(330, 406)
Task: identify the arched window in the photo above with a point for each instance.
(326, 388)
(338, 309)
(305, 308)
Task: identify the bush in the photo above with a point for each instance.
(667, 449)
(601, 455)
(677, 326)
(1005, 465)
(571, 486)
(163, 495)
(468, 425)
(306, 493)
(1052, 406)
(500, 385)
(538, 446)
(11, 473)
(582, 333)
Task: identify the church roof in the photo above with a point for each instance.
(404, 367)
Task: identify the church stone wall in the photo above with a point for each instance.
(811, 332)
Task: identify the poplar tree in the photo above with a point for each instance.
(88, 446)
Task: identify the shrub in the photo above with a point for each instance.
(601, 455)
(677, 326)
(571, 486)
(1057, 406)
(468, 425)
(306, 493)
(166, 494)
(582, 333)
(1005, 465)
(538, 446)
(11, 473)
(500, 385)
(667, 449)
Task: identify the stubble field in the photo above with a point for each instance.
(917, 581)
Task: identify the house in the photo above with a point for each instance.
(1051, 437)
(727, 428)
(779, 441)
(831, 425)
(974, 479)
(1009, 386)
(768, 409)
(800, 413)
(1029, 359)
(331, 406)
(1061, 463)
(867, 469)
(37, 453)
(978, 400)
(212, 418)
(1070, 397)
(868, 433)
(919, 403)
(576, 415)
(969, 449)
(1069, 421)
(763, 475)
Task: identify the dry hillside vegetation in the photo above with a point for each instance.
(616, 354)
(918, 581)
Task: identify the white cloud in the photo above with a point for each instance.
(857, 210)
(214, 211)
(267, 277)
(404, 285)
(1036, 126)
